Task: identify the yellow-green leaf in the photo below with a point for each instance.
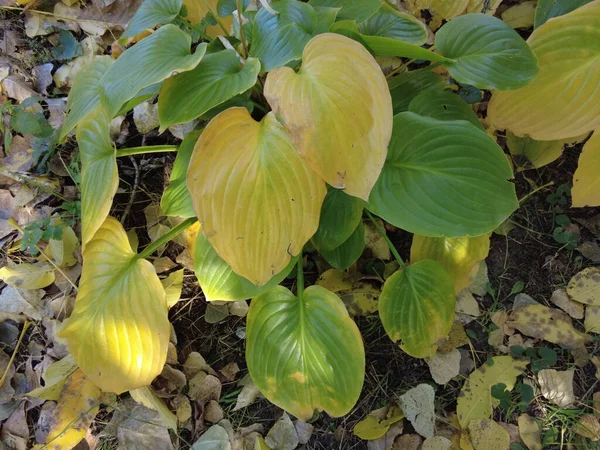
(520, 15)
(530, 433)
(55, 377)
(173, 285)
(305, 353)
(197, 10)
(61, 251)
(440, 10)
(584, 287)
(586, 181)
(337, 110)
(78, 404)
(99, 173)
(28, 276)
(147, 397)
(564, 100)
(475, 400)
(550, 324)
(416, 307)
(258, 202)
(118, 332)
(488, 435)
(378, 422)
(457, 255)
(539, 153)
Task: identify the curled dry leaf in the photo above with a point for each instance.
(557, 386)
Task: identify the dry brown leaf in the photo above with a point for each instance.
(588, 427)
(204, 387)
(562, 300)
(409, 442)
(213, 412)
(557, 386)
(591, 250)
(530, 432)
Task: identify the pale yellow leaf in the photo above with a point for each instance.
(440, 10)
(549, 324)
(258, 202)
(520, 15)
(530, 432)
(28, 276)
(488, 435)
(586, 182)
(591, 322)
(77, 406)
(378, 422)
(337, 110)
(197, 11)
(119, 331)
(62, 251)
(54, 379)
(173, 285)
(147, 397)
(584, 287)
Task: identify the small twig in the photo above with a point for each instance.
(136, 181)
(12, 358)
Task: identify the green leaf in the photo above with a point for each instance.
(443, 178)
(391, 23)
(547, 9)
(67, 47)
(279, 39)
(151, 60)
(340, 215)
(219, 282)
(407, 85)
(487, 52)
(358, 10)
(227, 7)
(383, 46)
(85, 92)
(346, 254)
(176, 200)
(152, 13)
(217, 78)
(25, 122)
(99, 173)
(305, 353)
(443, 105)
(416, 307)
(140, 97)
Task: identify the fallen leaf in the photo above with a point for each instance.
(480, 279)
(15, 87)
(592, 319)
(238, 308)
(466, 304)
(520, 15)
(145, 117)
(283, 435)
(549, 324)
(444, 366)
(530, 432)
(418, 407)
(437, 443)
(562, 300)
(488, 435)
(387, 442)
(147, 397)
(375, 242)
(580, 356)
(195, 363)
(596, 361)
(334, 280)
(248, 394)
(230, 371)
(475, 400)
(408, 442)
(523, 300)
(173, 285)
(213, 412)
(456, 338)
(28, 276)
(585, 286)
(557, 386)
(304, 431)
(377, 423)
(78, 404)
(61, 252)
(204, 387)
(216, 312)
(588, 427)
(54, 379)
(42, 77)
(215, 438)
(590, 250)
(19, 301)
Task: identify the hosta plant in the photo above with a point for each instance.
(299, 138)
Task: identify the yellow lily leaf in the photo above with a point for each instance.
(28, 276)
(378, 422)
(77, 406)
(584, 287)
(549, 324)
(457, 255)
(197, 11)
(475, 400)
(338, 111)
(488, 435)
(258, 202)
(586, 182)
(440, 10)
(118, 332)
(564, 100)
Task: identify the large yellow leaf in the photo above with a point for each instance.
(338, 111)
(119, 331)
(197, 11)
(586, 180)
(77, 406)
(457, 255)
(564, 100)
(258, 202)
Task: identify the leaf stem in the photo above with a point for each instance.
(382, 233)
(532, 193)
(146, 149)
(240, 21)
(300, 277)
(12, 358)
(214, 14)
(172, 234)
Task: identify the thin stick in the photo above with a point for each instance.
(12, 358)
(240, 21)
(214, 14)
(381, 231)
